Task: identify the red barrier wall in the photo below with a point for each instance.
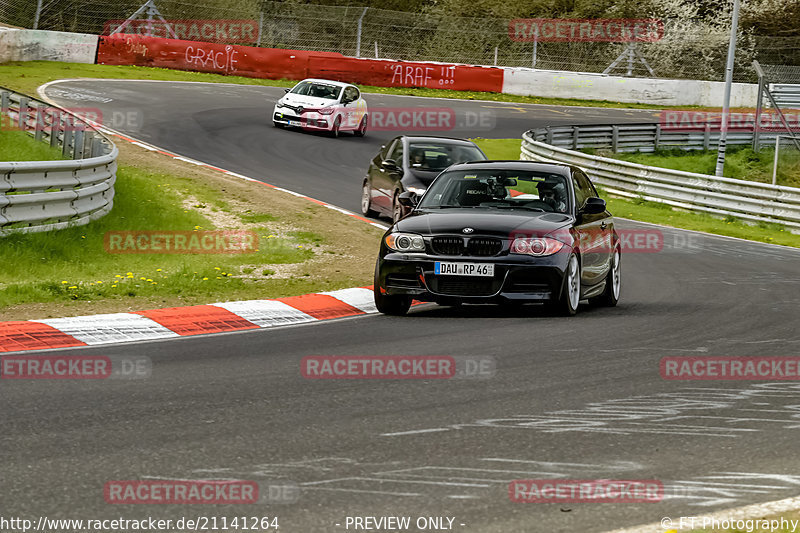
(293, 64)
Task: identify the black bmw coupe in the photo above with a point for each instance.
(501, 232)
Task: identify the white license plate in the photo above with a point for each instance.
(295, 123)
(442, 268)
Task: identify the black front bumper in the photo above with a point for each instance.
(517, 278)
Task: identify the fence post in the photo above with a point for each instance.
(77, 151)
(65, 148)
(358, 32)
(576, 130)
(707, 137)
(759, 105)
(5, 116)
(97, 147)
(657, 140)
(55, 126)
(549, 136)
(22, 119)
(615, 139)
(38, 124)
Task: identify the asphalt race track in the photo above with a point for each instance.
(578, 398)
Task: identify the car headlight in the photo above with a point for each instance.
(326, 110)
(405, 242)
(279, 104)
(416, 190)
(536, 246)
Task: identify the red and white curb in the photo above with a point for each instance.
(177, 322)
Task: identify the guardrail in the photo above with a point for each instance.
(748, 200)
(50, 195)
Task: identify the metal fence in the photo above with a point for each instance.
(690, 50)
(49, 195)
(748, 200)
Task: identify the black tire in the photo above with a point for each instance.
(366, 200)
(277, 124)
(362, 128)
(398, 211)
(395, 305)
(569, 299)
(610, 295)
(337, 124)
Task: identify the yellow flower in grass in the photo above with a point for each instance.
(118, 276)
(64, 282)
(143, 278)
(158, 270)
(73, 287)
(205, 279)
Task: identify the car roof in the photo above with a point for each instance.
(553, 168)
(329, 82)
(444, 140)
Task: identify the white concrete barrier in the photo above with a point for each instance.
(40, 45)
(657, 91)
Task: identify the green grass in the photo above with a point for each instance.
(661, 214)
(500, 148)
(740, 163)
(73, 264)
(18, 146)
(28, 76)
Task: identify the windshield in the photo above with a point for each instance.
(438, 156)
(498, 189)
(317, 90)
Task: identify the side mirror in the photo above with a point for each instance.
(286, 90)
(593, 206)
(389, 164)
(407, 199)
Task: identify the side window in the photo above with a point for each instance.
(388, 148)
(586, 185)
(580, 196)
(396, 152)
(350, 94)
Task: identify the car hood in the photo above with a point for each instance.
(306, 101)
(500, 224)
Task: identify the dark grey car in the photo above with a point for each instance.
(410, 163)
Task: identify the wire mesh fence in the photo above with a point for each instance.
(687, 50)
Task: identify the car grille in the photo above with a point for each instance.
(476, 246)
(484, 246)
(447, 245)
(465, 286)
